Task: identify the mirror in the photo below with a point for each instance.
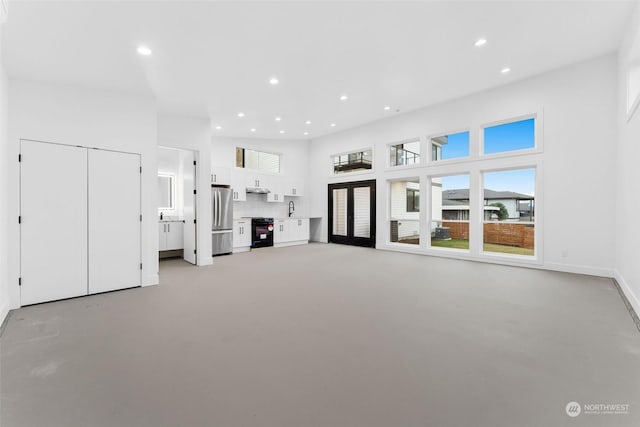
(166, 191)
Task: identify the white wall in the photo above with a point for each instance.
(193, 133)
(4, 189)
(86, 117)
(294, 159)
(577, 117)
(627, 207)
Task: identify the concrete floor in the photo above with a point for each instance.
(326, 335)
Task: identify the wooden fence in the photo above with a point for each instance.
(501, 233)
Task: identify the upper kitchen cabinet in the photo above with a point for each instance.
(294, 187)
(220, 176)
(238, 187)
(276, 189)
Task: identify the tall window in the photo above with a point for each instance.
(450, 212)
(511, 136)
(407, 153)
(405, 211)
(509, 199)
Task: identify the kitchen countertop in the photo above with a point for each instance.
(170, 220)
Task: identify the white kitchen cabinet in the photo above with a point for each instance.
(291, 231)
(281, 231)
(238, 187)
(294, 188)
(220, 176)
(171, 235)
(276, 190)
(241, 235)
(257, 180)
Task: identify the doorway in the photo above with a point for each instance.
(352, 213)
(177, 203)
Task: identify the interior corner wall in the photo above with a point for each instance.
(578, 181)
(192, 133)
(627, 207)
(4, 197)
(91, 118)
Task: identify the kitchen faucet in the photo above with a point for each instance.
(292, 208)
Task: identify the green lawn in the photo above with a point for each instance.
(488, 247)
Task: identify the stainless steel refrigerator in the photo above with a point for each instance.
(222, 229)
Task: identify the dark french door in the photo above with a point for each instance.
(352, 213)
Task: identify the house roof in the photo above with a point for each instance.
(463, 194)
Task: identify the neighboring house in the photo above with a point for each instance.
(453, 210)
(521, 207)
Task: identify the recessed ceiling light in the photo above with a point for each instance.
(480, 42)
(274, 81)
(253, 129)
(343, 97)
(332, 125)
(218, 127)
(505, 70)
(240, 114)
(144, 50)
(387, 108)
(306, 133)
(308, 122)
(281, 131)
(278, 119)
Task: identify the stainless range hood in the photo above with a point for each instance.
(258, 190)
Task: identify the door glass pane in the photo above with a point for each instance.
(361, 212)
(340, 212)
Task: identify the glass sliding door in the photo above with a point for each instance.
(352, 213)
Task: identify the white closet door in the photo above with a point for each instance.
(114, 221)
(189, 205)
(53, 232)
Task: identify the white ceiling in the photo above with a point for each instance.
(215, 58)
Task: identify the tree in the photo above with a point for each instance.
(503, 213)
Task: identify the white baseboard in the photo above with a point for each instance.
(202, 261)
(150, 280)
(241, 249)
(580, 269)
(633, 299)
(297, 242)
(4, 311)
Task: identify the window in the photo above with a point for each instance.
(413, 200)
(450, 212)
(352, 162)
(407, 153)
(507, 137)
(452, 146)
(509, 204)
(257, 160)
(405, 211)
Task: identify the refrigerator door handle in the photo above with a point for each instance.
(219, 207)
(215, 208)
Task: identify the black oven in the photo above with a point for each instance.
(262, 232)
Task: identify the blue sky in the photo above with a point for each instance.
(521, 181)
(457, 146)
(509, 136)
